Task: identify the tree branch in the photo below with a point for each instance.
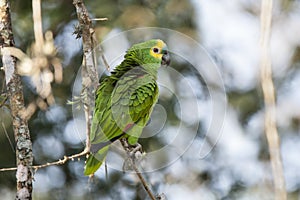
(89, 71)
(269, 98)
(24, 156)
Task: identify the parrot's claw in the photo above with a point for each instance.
(132, 150)
(135, 150)
(134, 155)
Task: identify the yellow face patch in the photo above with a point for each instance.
(157, 49)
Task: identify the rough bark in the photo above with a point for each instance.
(88, 71)
(24, 157)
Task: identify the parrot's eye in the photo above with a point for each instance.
(155, 50)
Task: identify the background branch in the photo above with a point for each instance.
(269, 98)
(24, 156)
(37, 24)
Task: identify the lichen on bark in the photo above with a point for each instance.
(24, 156)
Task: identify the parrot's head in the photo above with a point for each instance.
(152, 52)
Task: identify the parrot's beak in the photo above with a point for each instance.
(165, 58)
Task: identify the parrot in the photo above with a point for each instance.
(124, 100)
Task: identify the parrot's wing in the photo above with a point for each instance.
(104, 129)
(101, 111)
(100, 123)
(130, 104)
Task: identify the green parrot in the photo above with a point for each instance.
(125, 100)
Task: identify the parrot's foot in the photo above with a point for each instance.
(134, 154)
(135, 149)
(132, 150)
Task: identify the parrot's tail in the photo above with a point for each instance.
(94, 161)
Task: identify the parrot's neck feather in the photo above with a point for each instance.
(132, 64)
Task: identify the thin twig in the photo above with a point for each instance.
(100, 19)
(270, 105)
(6, 134)
(61, 161)
(103, 58)
(58, 162)
(8, 169)
(135, 168)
